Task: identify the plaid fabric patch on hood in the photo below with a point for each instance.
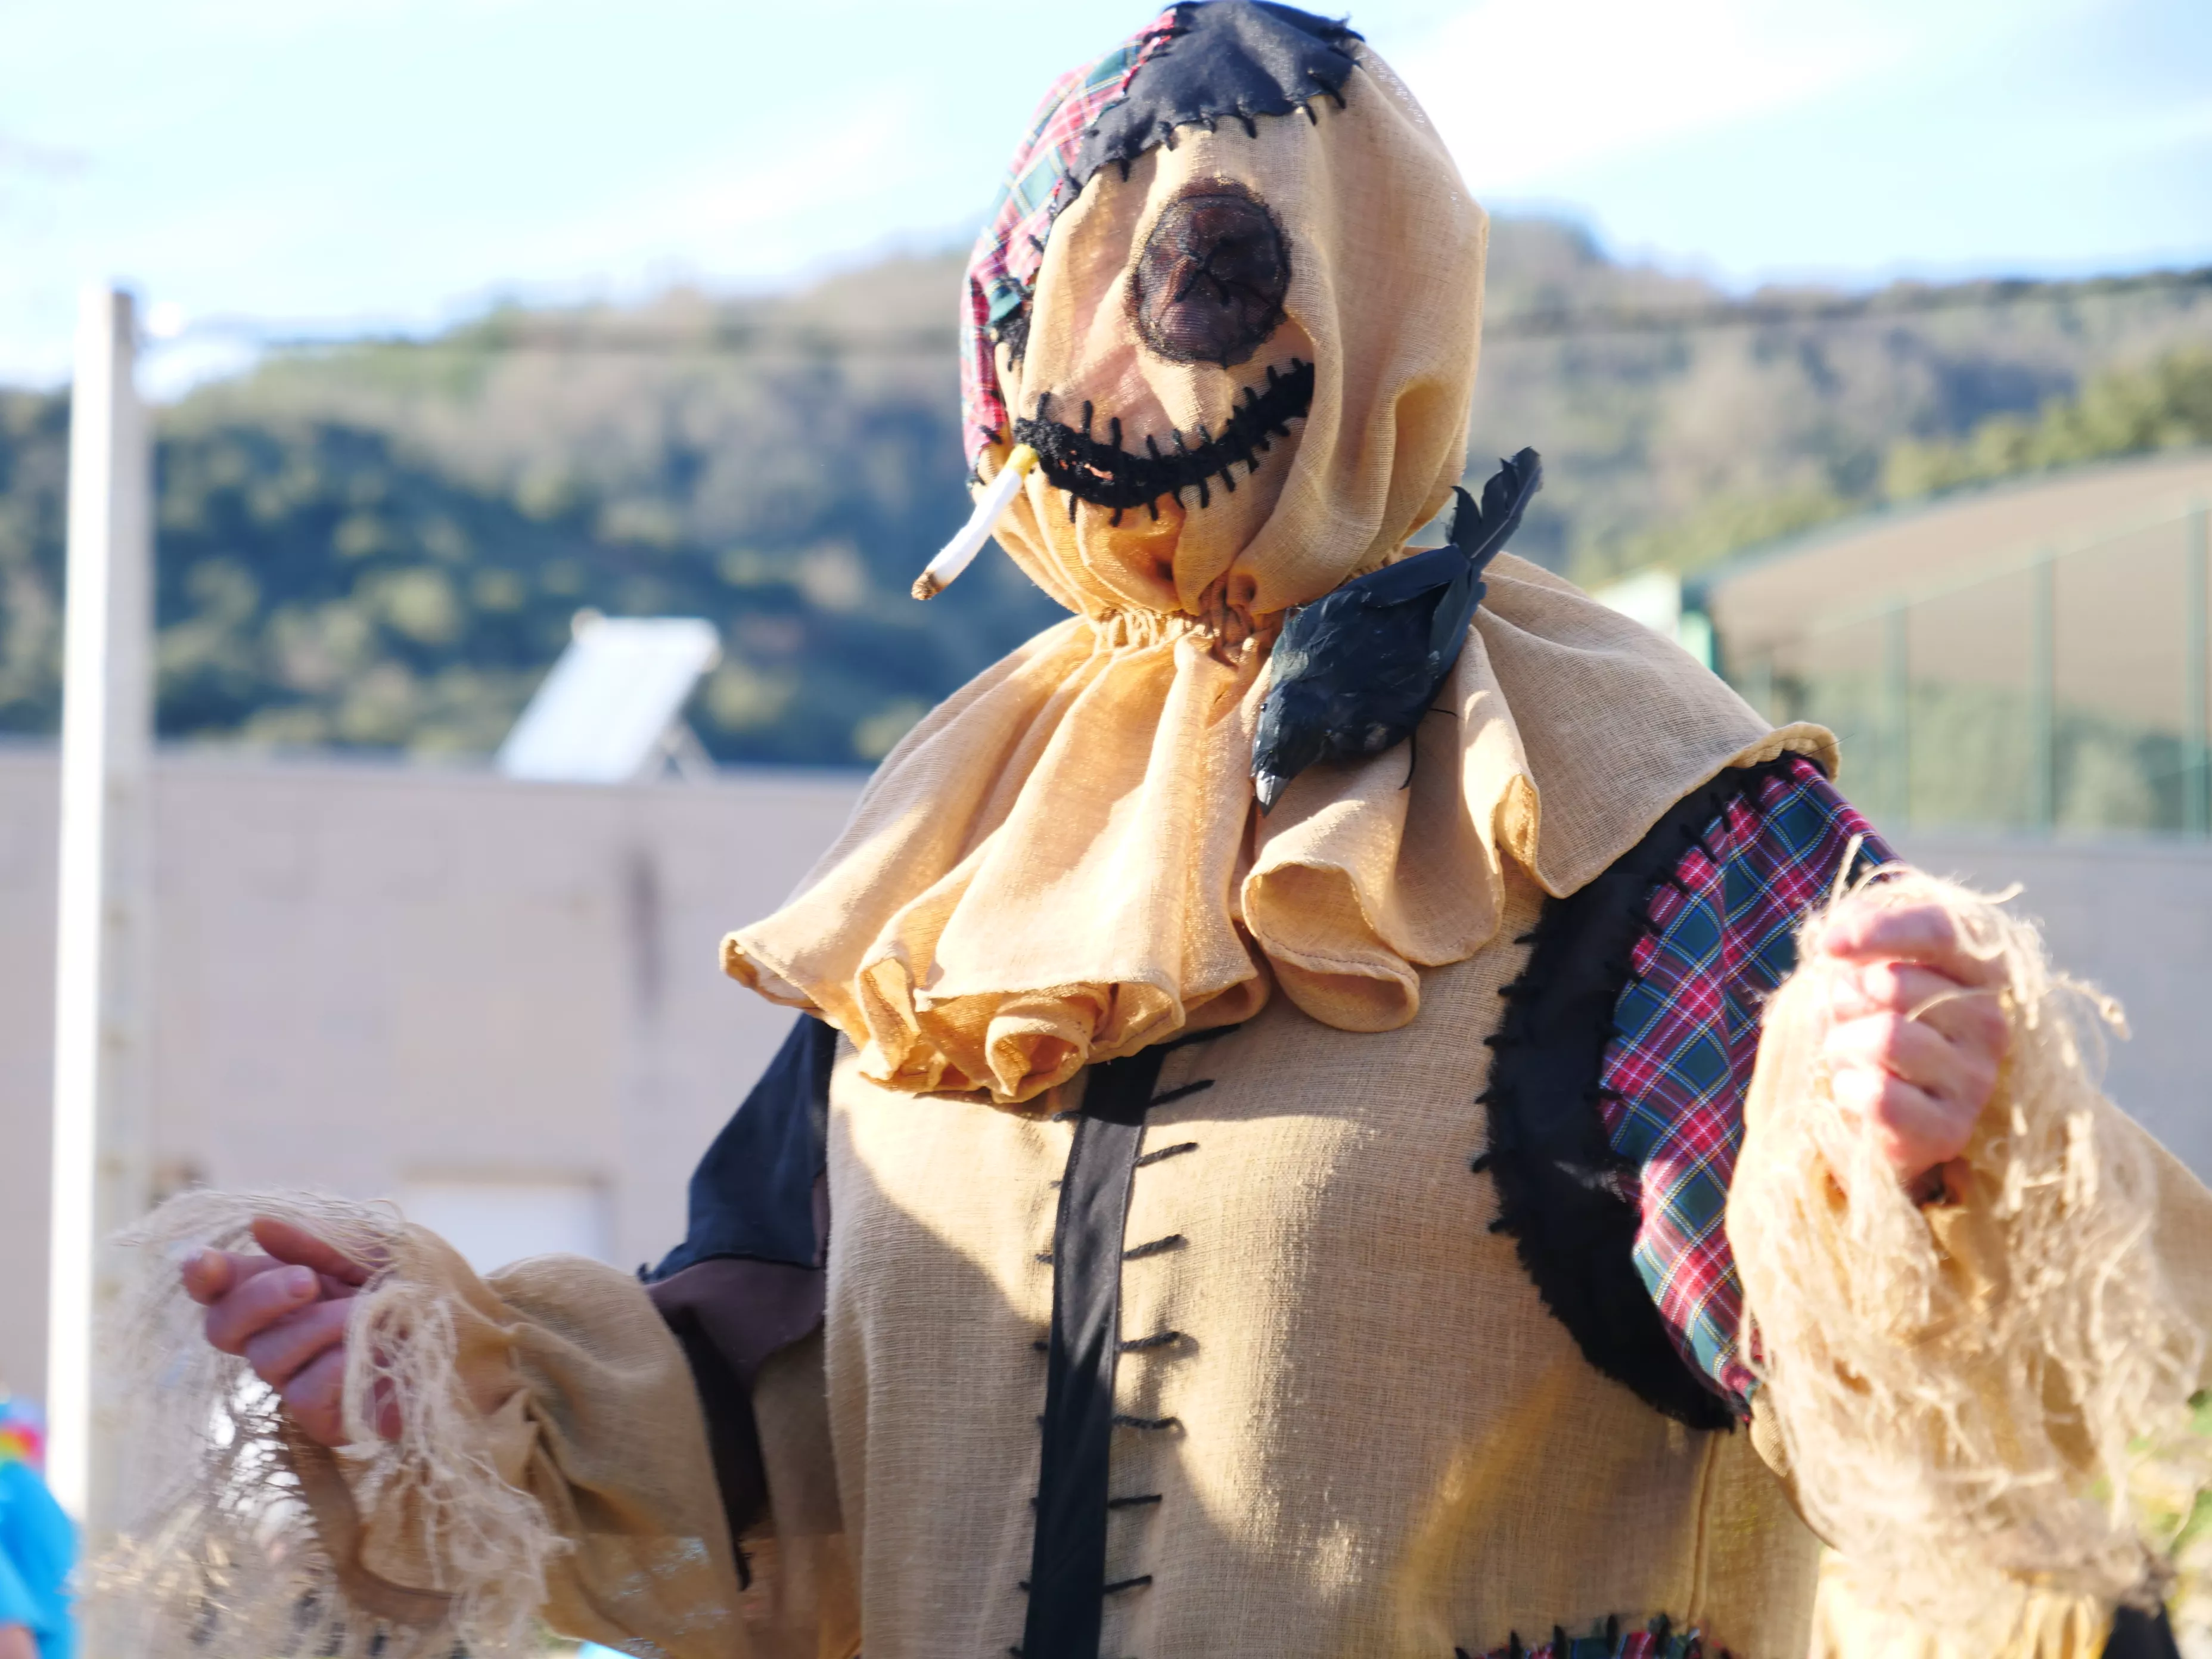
(1002, 270)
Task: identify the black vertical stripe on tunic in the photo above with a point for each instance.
(2139, 1635)
(1068, 1561)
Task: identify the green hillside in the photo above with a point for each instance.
(1679, 444)
(383, 544)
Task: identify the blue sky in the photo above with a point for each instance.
(382, 162)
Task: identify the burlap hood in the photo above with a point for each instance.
(1063, 863)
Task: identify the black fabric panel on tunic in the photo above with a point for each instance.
(1564, 1195)
(1068, 1561)
(748, 1279)
(753, 1194)
(732, 1437)
(730, 1315)
(1230, 60)
(2139, 1635)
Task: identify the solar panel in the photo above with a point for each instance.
(607, 711)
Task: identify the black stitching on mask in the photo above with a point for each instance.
(1107, 475)
(1014, 332)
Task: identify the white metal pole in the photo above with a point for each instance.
(101, 1021)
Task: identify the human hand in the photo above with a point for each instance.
(285, 1314)
(16, 1642)
(1915, 1035)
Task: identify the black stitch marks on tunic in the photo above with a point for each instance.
(1175, 1151)
(1157, 1247)
(1068, 1550)
(1183, 1093)
(1107, 475)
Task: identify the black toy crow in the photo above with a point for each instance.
(1355, 671)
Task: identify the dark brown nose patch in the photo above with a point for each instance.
(1209, 283)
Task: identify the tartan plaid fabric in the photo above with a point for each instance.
(1660, 1640)
(1004, 266)
(1723, 935)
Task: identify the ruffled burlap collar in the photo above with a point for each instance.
(1064, 863)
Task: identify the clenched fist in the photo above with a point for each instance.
(1915, 1035)
(285, 1314)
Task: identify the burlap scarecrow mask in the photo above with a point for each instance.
(1239, 319)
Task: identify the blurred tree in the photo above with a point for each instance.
(383, 545)
(33, 488)
(2166, 406)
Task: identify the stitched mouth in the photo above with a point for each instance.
(1107, 475)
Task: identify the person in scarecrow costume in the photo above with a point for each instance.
(1176, 1227)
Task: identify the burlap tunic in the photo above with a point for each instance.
(1377, 1438)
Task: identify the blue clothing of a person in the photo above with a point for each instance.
(38, 1547)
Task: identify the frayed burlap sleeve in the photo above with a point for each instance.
(551, 1465)
(610, 1442)
(1983, 1407)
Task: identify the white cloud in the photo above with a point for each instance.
(1525, 93)
(747, 213)
(1528, 95)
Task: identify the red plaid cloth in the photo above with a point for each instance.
(1003, 268)
(1723, 935)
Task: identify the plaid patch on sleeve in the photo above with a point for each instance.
(1003, 268)
(1723, 935)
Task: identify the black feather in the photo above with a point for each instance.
(1355, 671)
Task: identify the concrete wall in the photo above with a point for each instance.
(2134, 918)
(27, 826)
(377, 980)
(501, 999)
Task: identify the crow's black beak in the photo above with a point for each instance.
(1269, 787)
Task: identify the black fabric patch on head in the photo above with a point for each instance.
(1229, 60)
